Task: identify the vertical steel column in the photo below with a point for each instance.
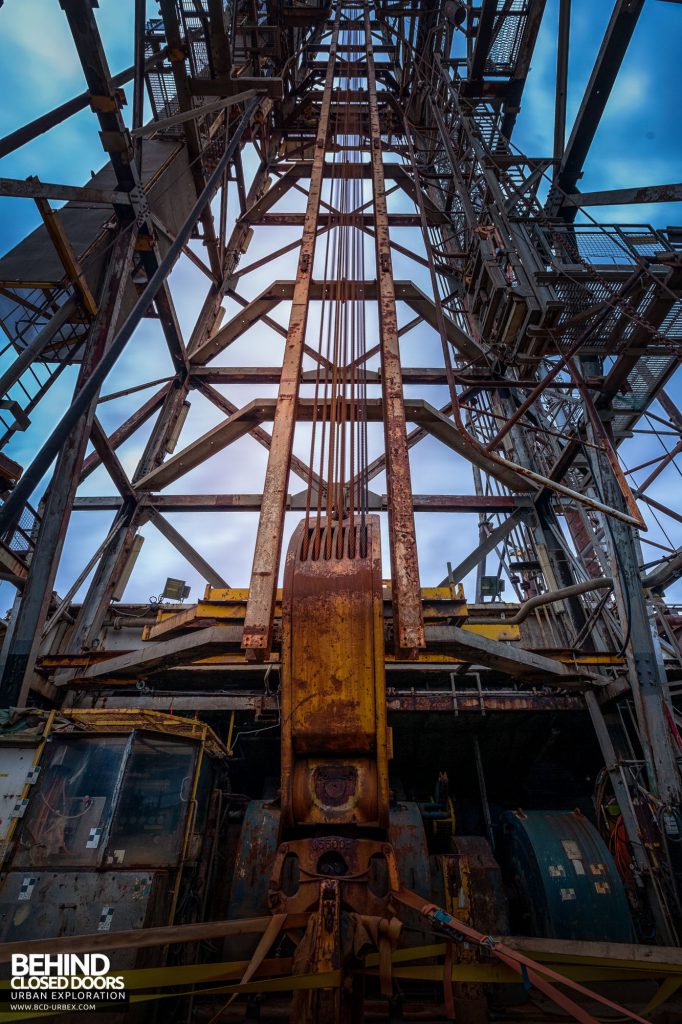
(138, 82)
(37, 595)
(563, 43)
(407, 607)
(261, 604)
(646, 671)
(96, 602)
(640, 850)
(177, 46)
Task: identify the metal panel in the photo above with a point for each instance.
(46, 904)
(255, 857)
(407, 837)
(69, 813)
(15, 765)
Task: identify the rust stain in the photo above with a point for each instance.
(334, 736)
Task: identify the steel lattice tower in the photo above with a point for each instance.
(556, 335)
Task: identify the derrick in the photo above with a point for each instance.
(378, 761)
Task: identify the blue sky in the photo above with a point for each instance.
(638, 143)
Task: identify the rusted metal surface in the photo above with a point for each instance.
(254, 861)
(50, 538)
(334, 741)
(617, 196)
(469, 886)
(126, 429)
(472, 885)
(451, 503)
(603, 438)
(407, 837)
(67, 256)
(417, 701)
(334, 764)
(260, 610)
(407, 613)
(445, 701)
(527, 299)
(353, 861)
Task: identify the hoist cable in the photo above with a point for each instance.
(339, 436)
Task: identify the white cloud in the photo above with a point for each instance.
(629, 94)
(37, 41)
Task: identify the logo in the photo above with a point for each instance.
(65, 981)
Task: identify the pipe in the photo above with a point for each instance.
(585, 587)
(666, 573)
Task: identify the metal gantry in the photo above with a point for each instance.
(559, 335)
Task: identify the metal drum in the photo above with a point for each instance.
(564, 876)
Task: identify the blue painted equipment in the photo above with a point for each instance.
(565, 877)
(255, 856)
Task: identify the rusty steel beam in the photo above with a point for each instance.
(257, 309)
(626, 196)
(200, 643)
(221, 402)
(195, 112)
(407, 609)
(260, 609)
(23, 649)
(110, 461)
(127, 429)
(399, 701)
(181, 544)
(184, 100)
(467, 503)
(427, 702)
(33, 188)
(427, 375)
(632, 282)
(483, 39)
(487, 544)
(366, 220)
(67, 257)
(526, 50)
(12, 507)
(231, 429)
(45, 122)
(604, 73)
(257, 411)
(253, 312)
(561, 90)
